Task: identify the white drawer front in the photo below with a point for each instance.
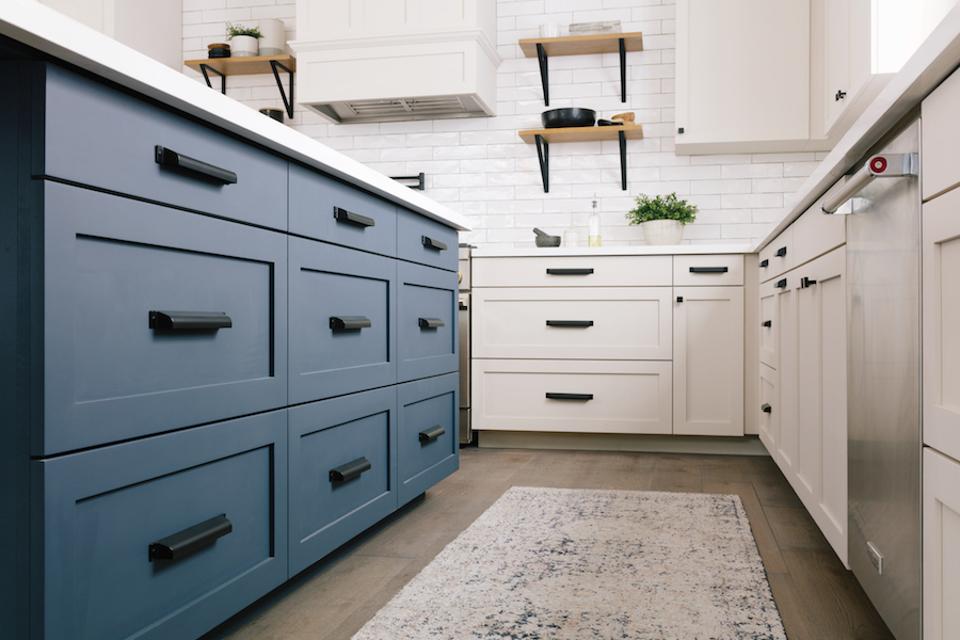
(573, 323)
(769, 324)
(769, 409)
(566, 271)
(777, 257)
(816, 233)
(607, 397)
(707, 271)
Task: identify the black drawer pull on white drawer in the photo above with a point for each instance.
(349, 323)
(781, 252)
(189, 320)
(807, 282)
(766, 408)
(197, 168)
(356, 219)
(764, 263)
(430, 435)
(767, 323)
(570, 323)
(566, 271)
(183, 543)
(430, 323)
(781, 283)
(430, 243)
(709, 269)
(582, 397)
(349, 471)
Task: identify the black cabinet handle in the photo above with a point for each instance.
(709, 269)
(767, 323)
(764, 263)
(349, 323)
(189, 320)
(430, 435)
(781, 284)
(807, 282)
(558, 271)
(570, 323)
(349, 471)
(569, 396)
(430, 323)
(430, 243)
(183, 543)
(198, 168)
(349, 217)
(679, 298)
(766, 408)
(781, 252)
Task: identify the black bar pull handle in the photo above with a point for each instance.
(679, 299)
(766, 408)
(188, 320)
(356, 219)
(781, 252)
(767, 323)
(430, 435)
(781, 283)
(570, 323)
(430, 323)
(172, 160)
(431, 243)
(764, 263)
(569, 396)
(807, 282)
(349, 323)
(183, 543)
(349, 471)
(709, 269)
(566, 271)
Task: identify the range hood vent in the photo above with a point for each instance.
(396, 109)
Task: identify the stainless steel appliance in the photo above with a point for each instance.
(883, 325)
(466, 432)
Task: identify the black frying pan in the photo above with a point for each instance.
(568, 117)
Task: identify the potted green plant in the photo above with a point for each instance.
(662, 217)
(244, 41)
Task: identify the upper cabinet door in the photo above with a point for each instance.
(708, 361)
(743, 75)
(941, 323)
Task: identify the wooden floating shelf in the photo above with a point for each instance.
(583, 45)
(242, 65)
(582, 134)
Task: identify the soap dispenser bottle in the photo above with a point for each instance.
(594, 238)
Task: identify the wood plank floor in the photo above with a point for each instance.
(817, 597)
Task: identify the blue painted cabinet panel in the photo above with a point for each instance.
(428, 446)
(343, 333)
(99, 136)
(329, 210)
(426, 321)
(105, 508)
(420, 239)
(111, 371)
(326, 438)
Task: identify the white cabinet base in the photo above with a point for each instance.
(941, 546)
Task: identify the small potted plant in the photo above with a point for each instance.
(244, 41)
(662, 217)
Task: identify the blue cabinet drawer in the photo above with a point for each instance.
(96, 135)
(155, 319)
(342, 474)
(426, 321)
(428, 447)
(420, 239)
(114, 556)
(329, 210)
(343, 333)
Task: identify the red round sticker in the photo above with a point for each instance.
(878, 164)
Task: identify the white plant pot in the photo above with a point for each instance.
(244, 46)
(274, 40)
(662, 231)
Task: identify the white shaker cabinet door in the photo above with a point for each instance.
(708, 361)
(941, 546)
(941, 323)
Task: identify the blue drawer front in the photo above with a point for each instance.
(99, 136)
(324, 436)
(427, 437)
(109, 262)
(330, 282)
(363, 222)
(420, 239)
(104, 509)
(427, 325)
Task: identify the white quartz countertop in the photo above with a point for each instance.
(627, 250)
(61, 37)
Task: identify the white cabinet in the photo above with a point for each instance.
(941, 546)
(708, 361)
(940, 138)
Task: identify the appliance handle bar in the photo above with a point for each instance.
(884, 165)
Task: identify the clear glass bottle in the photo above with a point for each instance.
(594, 239)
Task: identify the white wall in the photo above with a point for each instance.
(481, 168)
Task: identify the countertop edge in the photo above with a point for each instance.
(625, 250)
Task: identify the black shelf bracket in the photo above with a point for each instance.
(544, 75)
(623, 75)
(287, 103)
(205, 69)
(419, 181)
(623, 159)
(545, 72)
(543, 154)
